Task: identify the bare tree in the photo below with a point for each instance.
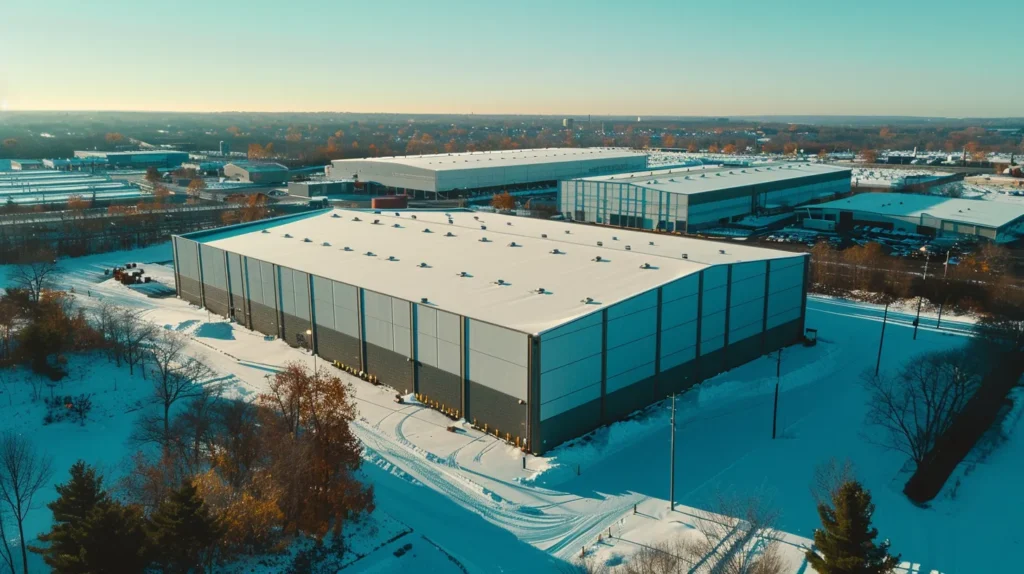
(5, 545)
(739, 537)
(177, 374)
(914, 407)
(22, 473)
(668, 557)
(35, 274)
(137, 335)
(829, 477)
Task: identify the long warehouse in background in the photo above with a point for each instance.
(689, 199)
(535, 330)
(487, 172)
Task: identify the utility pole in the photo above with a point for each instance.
(778, 375)
(920, 298)
(881, 339)
(672, 460)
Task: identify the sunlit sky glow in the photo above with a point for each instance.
(631, 57)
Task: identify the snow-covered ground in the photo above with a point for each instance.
(470, 505)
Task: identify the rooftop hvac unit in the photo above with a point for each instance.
(628, 248)
(650, 243)
(600, 243)
(397, 226)
(413, 216)
(544, 235)
(476, 217)
(685, 256)
(508, 223)
(424, 300)
(615, 237)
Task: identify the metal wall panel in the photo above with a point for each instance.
(254, 280)
(212, 260)
(712, 329)
(631, 340)
(497, 359)
(269, 279)
(188, 260)
(571, 357)
(746, 300)
(346, 310)
(785, 288)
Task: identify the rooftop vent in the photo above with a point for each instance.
(484, 240)
(568, 231)
(424, 300)
(483, 227)
(513, 244)
(556, 251)
(288, 235)
(423, 264)
(398, 214)
(476, 217)
(370, 254)
(587, 300)
(541, 290)
(449, 234)
(645, 266)
(615, 238)
(628, 248)
(600, 243)
(598, 259)
(544, 235)
(266, 231)
(335, 216)
(396, 226)
(508, 223)
(307, 240)
(413, 216)
(685, 256)
(721, 251)
(463, 274)
(650, 243)
(500, 282)
(326, 244)
(346, 248)
(392, 258)
(450, 221)
(376, 222)
(356, 218)
(427, 230)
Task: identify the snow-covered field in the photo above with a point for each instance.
(470, 506)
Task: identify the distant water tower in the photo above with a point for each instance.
(225, 148)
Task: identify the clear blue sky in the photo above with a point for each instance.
(642, 57)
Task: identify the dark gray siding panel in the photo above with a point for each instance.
(440, 386)
(335, 346)
(743, 351)
(568, 425)
(393, 369)
(621, 403)
(293, 328)
(189, 290)
(217, 300)
(264, 319)
(497, 410)
(677, 379)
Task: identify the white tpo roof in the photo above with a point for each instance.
(499, 158)
(386, 257)
(993, 214)
(691, 180)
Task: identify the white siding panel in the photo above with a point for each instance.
(499, 342)
(403, 342)
(426, 349)
(379, 333)
(286, 291)
(449, 327)
(269, 284)
(449, 357)
(400, 313)
(300, 283)
(254, 283)
(497, 374)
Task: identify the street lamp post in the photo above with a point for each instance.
(309, 339)
(881, 338)
(920, 298)
(672, 460)
(778, 375)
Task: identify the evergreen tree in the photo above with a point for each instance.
(76, 499)
(846, 543)
(113, 539)
(184, 532)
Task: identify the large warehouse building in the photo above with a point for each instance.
(1000, 221)
(460, 174)
(136, 159)
(689, 199)
(537, 331)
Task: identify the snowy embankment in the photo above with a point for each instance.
(466, 496)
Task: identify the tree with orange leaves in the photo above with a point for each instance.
(729, 149)
(315, 454)
(789, 148)
(713, 148)
(869, 155)
(503, 201)
(692, 147)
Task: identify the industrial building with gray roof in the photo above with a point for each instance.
(694, 198)
(485, 172)
(536, 330)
